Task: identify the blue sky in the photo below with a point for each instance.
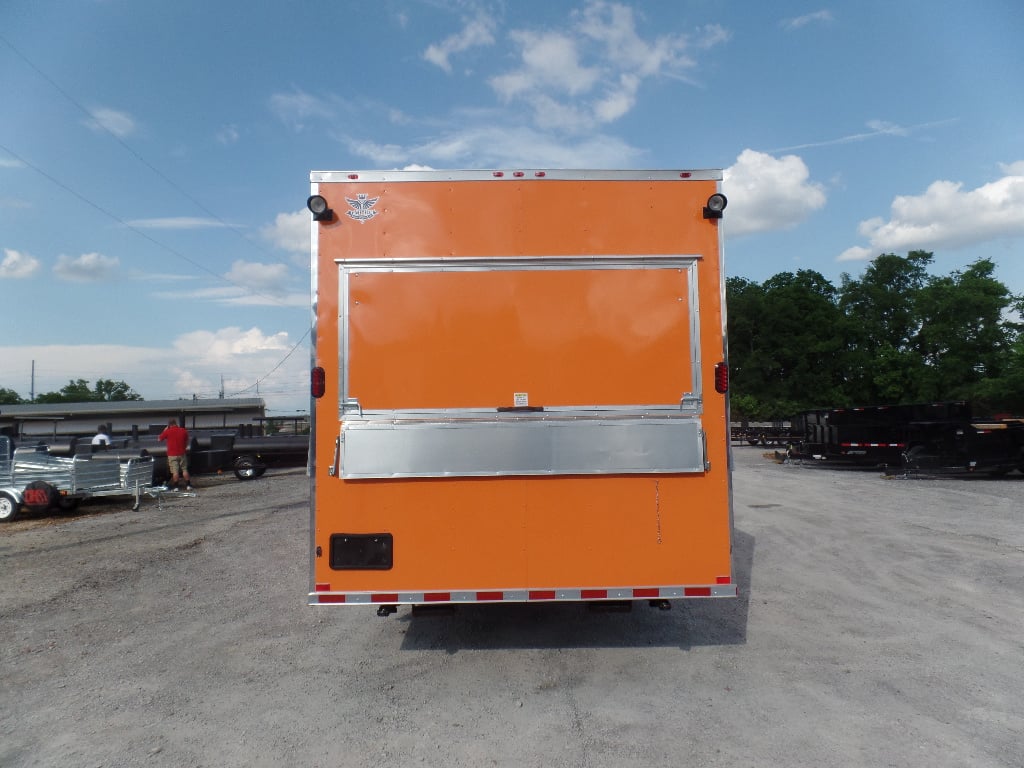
(155, 157)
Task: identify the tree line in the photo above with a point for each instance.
(896, 335)
(77, 391)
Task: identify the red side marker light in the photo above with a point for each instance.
(721, 378)
(317, 382)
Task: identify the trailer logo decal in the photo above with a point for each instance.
(362, 208)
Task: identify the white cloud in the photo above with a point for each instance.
(876, 128)
(947, 216)
(228, 134)
(477, 32)
(382, 155)
(17, 265)
(497, 146)
(225, 345)
(176, 222)
(10, 162)
(290, 231)
(857, 253)
(768, 193)
(262, 278)
(550, 62)
(89, 267)
(243, 357)
(193, 364)
(295, 109)
(818, 17)
(121, 124)
(591, 73)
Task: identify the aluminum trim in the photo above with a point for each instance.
(686, 263)
(520, 263)
(499, 449)
(532, 174)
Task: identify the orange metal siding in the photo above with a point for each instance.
(410, 333)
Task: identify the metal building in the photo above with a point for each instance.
(49, 421)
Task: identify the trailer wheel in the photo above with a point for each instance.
(9, 508)
(247, 468)
(40, 495)
(68, 503)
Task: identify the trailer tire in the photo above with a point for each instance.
(40, 495)
(68, 503)
(9, 508)
(248, 468)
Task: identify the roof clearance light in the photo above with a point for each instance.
(317, 382)
(716, 204)
(318, 207)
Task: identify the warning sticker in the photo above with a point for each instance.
(521, 399)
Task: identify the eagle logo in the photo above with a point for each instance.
(362, 207)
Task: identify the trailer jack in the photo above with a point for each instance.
(386, 610)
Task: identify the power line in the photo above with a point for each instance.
(280, 363)
(88, 113)
(136, 230)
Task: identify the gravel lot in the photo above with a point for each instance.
(880, 623)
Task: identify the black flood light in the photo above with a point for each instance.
(716, 204)
(317, 205)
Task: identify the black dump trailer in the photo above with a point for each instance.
(991, 446)
(933, 437)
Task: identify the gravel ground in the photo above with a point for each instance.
(880, 623)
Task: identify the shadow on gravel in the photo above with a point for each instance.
(690, 623)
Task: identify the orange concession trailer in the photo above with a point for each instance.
(519, 388)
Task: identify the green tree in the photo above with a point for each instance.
(114, 391)
(784, 352)
(9, 397)
(964, 337)
(882, 323)
(78, 391)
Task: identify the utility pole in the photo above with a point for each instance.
(32, 386)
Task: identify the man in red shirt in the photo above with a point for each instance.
(177, 453)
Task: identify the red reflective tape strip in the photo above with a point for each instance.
(322, 588)
(437, 597)
(723, 580)
(655, 592)
(384, 598)
(542, 594)
(697, 591)
(593, 594)
(490, 595)
(331, 599)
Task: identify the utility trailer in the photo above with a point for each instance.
(868, 436)
(519, 388)
(940, 437)
(977, 446)
(762, 433)
(32, 477)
